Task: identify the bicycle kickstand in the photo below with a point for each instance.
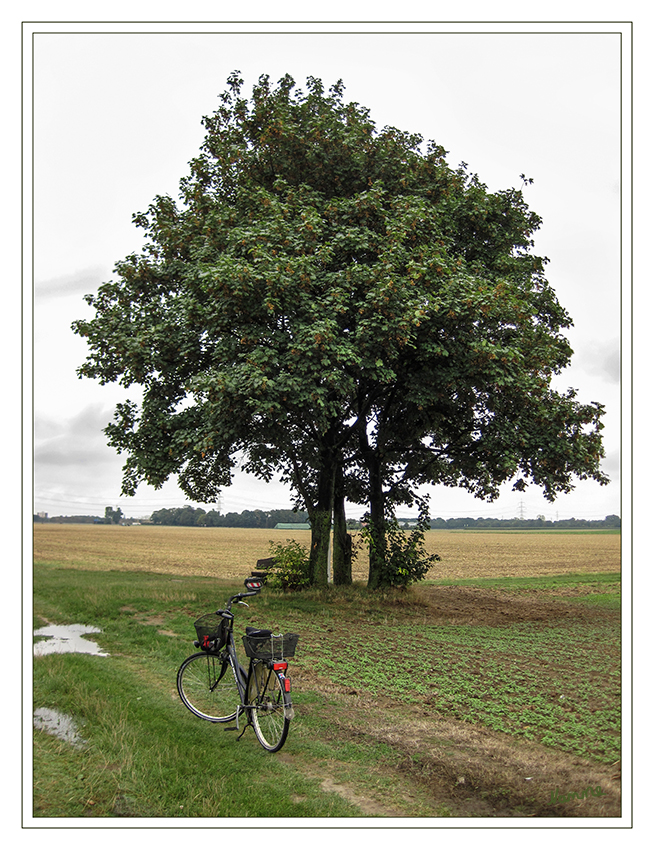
(237, 727)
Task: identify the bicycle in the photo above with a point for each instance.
(215, 686)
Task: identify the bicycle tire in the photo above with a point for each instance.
(204, 691)
(271, 709)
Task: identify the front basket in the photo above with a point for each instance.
(270, 646)
(210, 629)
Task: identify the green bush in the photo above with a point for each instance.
(291, 566)
(405, 559)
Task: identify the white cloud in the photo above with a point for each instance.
(77, 283)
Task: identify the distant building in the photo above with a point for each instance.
(42, 514)
(294, 526)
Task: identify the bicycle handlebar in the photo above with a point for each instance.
(240, 596)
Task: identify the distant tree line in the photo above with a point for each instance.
(214, 519)
(268, 519)
(112, 516)
(188, 516)
(83, 519)
(611, 521)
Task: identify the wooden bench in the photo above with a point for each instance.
(264, 565)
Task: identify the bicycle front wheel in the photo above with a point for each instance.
(270, 707)
(207, 687)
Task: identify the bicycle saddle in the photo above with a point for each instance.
(250, 631)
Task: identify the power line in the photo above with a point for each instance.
(505, 509)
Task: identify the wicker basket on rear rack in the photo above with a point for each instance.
(270, 647)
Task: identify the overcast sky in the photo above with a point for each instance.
(117, 117)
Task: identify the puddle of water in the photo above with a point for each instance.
(55, 723)
(67, 639)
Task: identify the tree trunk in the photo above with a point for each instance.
(321, 523)
(342, 540)
(377, 523)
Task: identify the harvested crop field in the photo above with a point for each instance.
(495, 554)
(232, 552)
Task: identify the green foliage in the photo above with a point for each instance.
(405, 559)
(214, 519)
(111, 516)
(291, 566)
(609, 523)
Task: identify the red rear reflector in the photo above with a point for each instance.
(280, 665)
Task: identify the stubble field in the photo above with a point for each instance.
(233, 552)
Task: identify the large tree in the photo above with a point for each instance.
(336, 305)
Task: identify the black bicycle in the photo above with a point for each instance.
(215, 686)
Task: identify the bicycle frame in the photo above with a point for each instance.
(241, 676)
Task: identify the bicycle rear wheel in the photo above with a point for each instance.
(207, 687)
(271, 709)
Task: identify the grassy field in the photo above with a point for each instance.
(469, 696)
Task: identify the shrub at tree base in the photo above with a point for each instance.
(291, 566)
(405, 559)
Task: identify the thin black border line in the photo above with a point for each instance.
(620, 33)
(326, 32)
(314, 23)
(631, 360)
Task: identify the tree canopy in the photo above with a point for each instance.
(335, 304)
